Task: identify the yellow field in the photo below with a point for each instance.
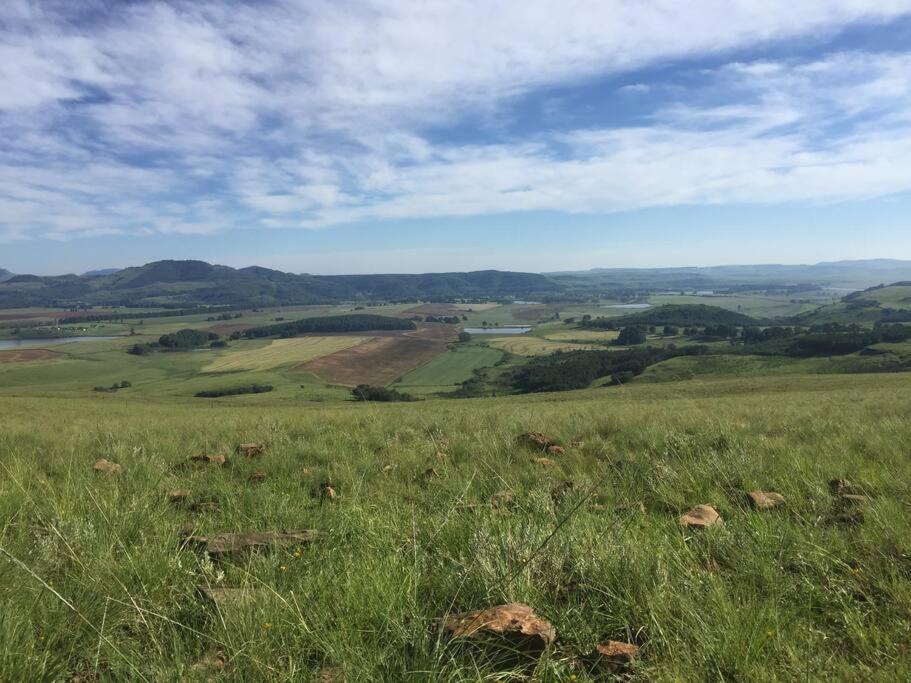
(535, 346)
(583, 335)
(280, 352)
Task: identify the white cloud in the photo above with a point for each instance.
(192, 117)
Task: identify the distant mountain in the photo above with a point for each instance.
(101, 271)
(183, 283)
(5, 275)
(850, 275)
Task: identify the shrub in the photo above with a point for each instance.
(365, 392)
(235, 391)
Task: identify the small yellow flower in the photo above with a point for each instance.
(770, 633)
(297, 553)
(283, 568)
(267, 625)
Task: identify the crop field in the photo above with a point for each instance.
(439, 509)
(581, 335)
(525, 345)
(448, 369)
(256, 356)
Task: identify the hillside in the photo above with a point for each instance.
(683, 315)
(183, 283)
(836, 274)
(882, 303)
(5, 275)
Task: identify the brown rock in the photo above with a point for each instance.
(178, 496)
(545, 462)
(701, 517)
(613, 654)
(537, 440)
(213, 459)
(556, 450)
(106, 467)
(502, 499)
(330, 675)
(228, 544)
(765, 500)
(515, 626)
(257, 477)
(251, 450)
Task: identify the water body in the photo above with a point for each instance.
(497, 330)
(636, 306)
(50, 341)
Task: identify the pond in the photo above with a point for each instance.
(520, 329)
(637, 306)
(47, 341)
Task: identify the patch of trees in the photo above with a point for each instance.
(186, 339)
(116, 316)
(365, 392)
(632, 335)
(448, 319)
(578, 369)
(681, 315)
(359, 322)
(125, 384)
(235, 391)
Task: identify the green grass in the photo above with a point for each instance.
(783, 595)
(272, 354)
(449, 369)
(755, 306)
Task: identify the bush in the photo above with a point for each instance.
(235, 391)
(361, 322)
(630, 336)
(186, 339)
(365, 392)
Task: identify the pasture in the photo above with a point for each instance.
(525, 345)
(273, 354)
(99, 582)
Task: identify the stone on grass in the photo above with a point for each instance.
(514, 627)
(221, 545)
(251, 450)
(502, 499)
(553, 449)
(178, 496)
(258, 477)
(330, 675)
(545, 462)
(209, 459)
(106, 467)
(700, 517)
(212, 663)
(765, 500)
(537, 440)
(613, 655)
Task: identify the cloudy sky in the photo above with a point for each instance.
(405, 136)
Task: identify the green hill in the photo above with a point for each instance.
(882, 303)
(685, 315)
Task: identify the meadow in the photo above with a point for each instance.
(97, 584)
(273, 354)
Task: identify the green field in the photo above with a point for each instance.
(752, 305)
(447, 370)
(525, 345)
(95, 583)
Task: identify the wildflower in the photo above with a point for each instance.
(267, 625)
(297, 553)
(769, 633)
(282, 567)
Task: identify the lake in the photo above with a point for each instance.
(50, 341)
(627, 306)
(498, 330)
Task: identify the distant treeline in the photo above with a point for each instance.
(236, 391)
(358, 322)
(365, 392)
(683, 315)
(112, 316)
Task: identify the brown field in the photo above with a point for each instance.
(383, 359)
(26, 355)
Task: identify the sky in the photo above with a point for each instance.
(367, 136)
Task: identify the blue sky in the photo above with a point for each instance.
(372, 136)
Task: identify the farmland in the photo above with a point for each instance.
(259, 356)
(535, 346)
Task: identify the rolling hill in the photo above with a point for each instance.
(5, 275)
(179, 283)
(882, 303)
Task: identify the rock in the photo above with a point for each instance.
(257, 477)
(178, 497)
(502, 499)
(765, 500)
(212, 663)
(214, 459)
(514, 626)
(326, 492)
(251, 450)
(330, 675)
(613, 655)
(545, 462)
(701, 517)
(221, 545)
(537, 440)
(205, 506)
(556, 450)
(106, 467)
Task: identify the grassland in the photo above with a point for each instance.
(94, 581)
(259, 356)
(535, 346)
(582, 336)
